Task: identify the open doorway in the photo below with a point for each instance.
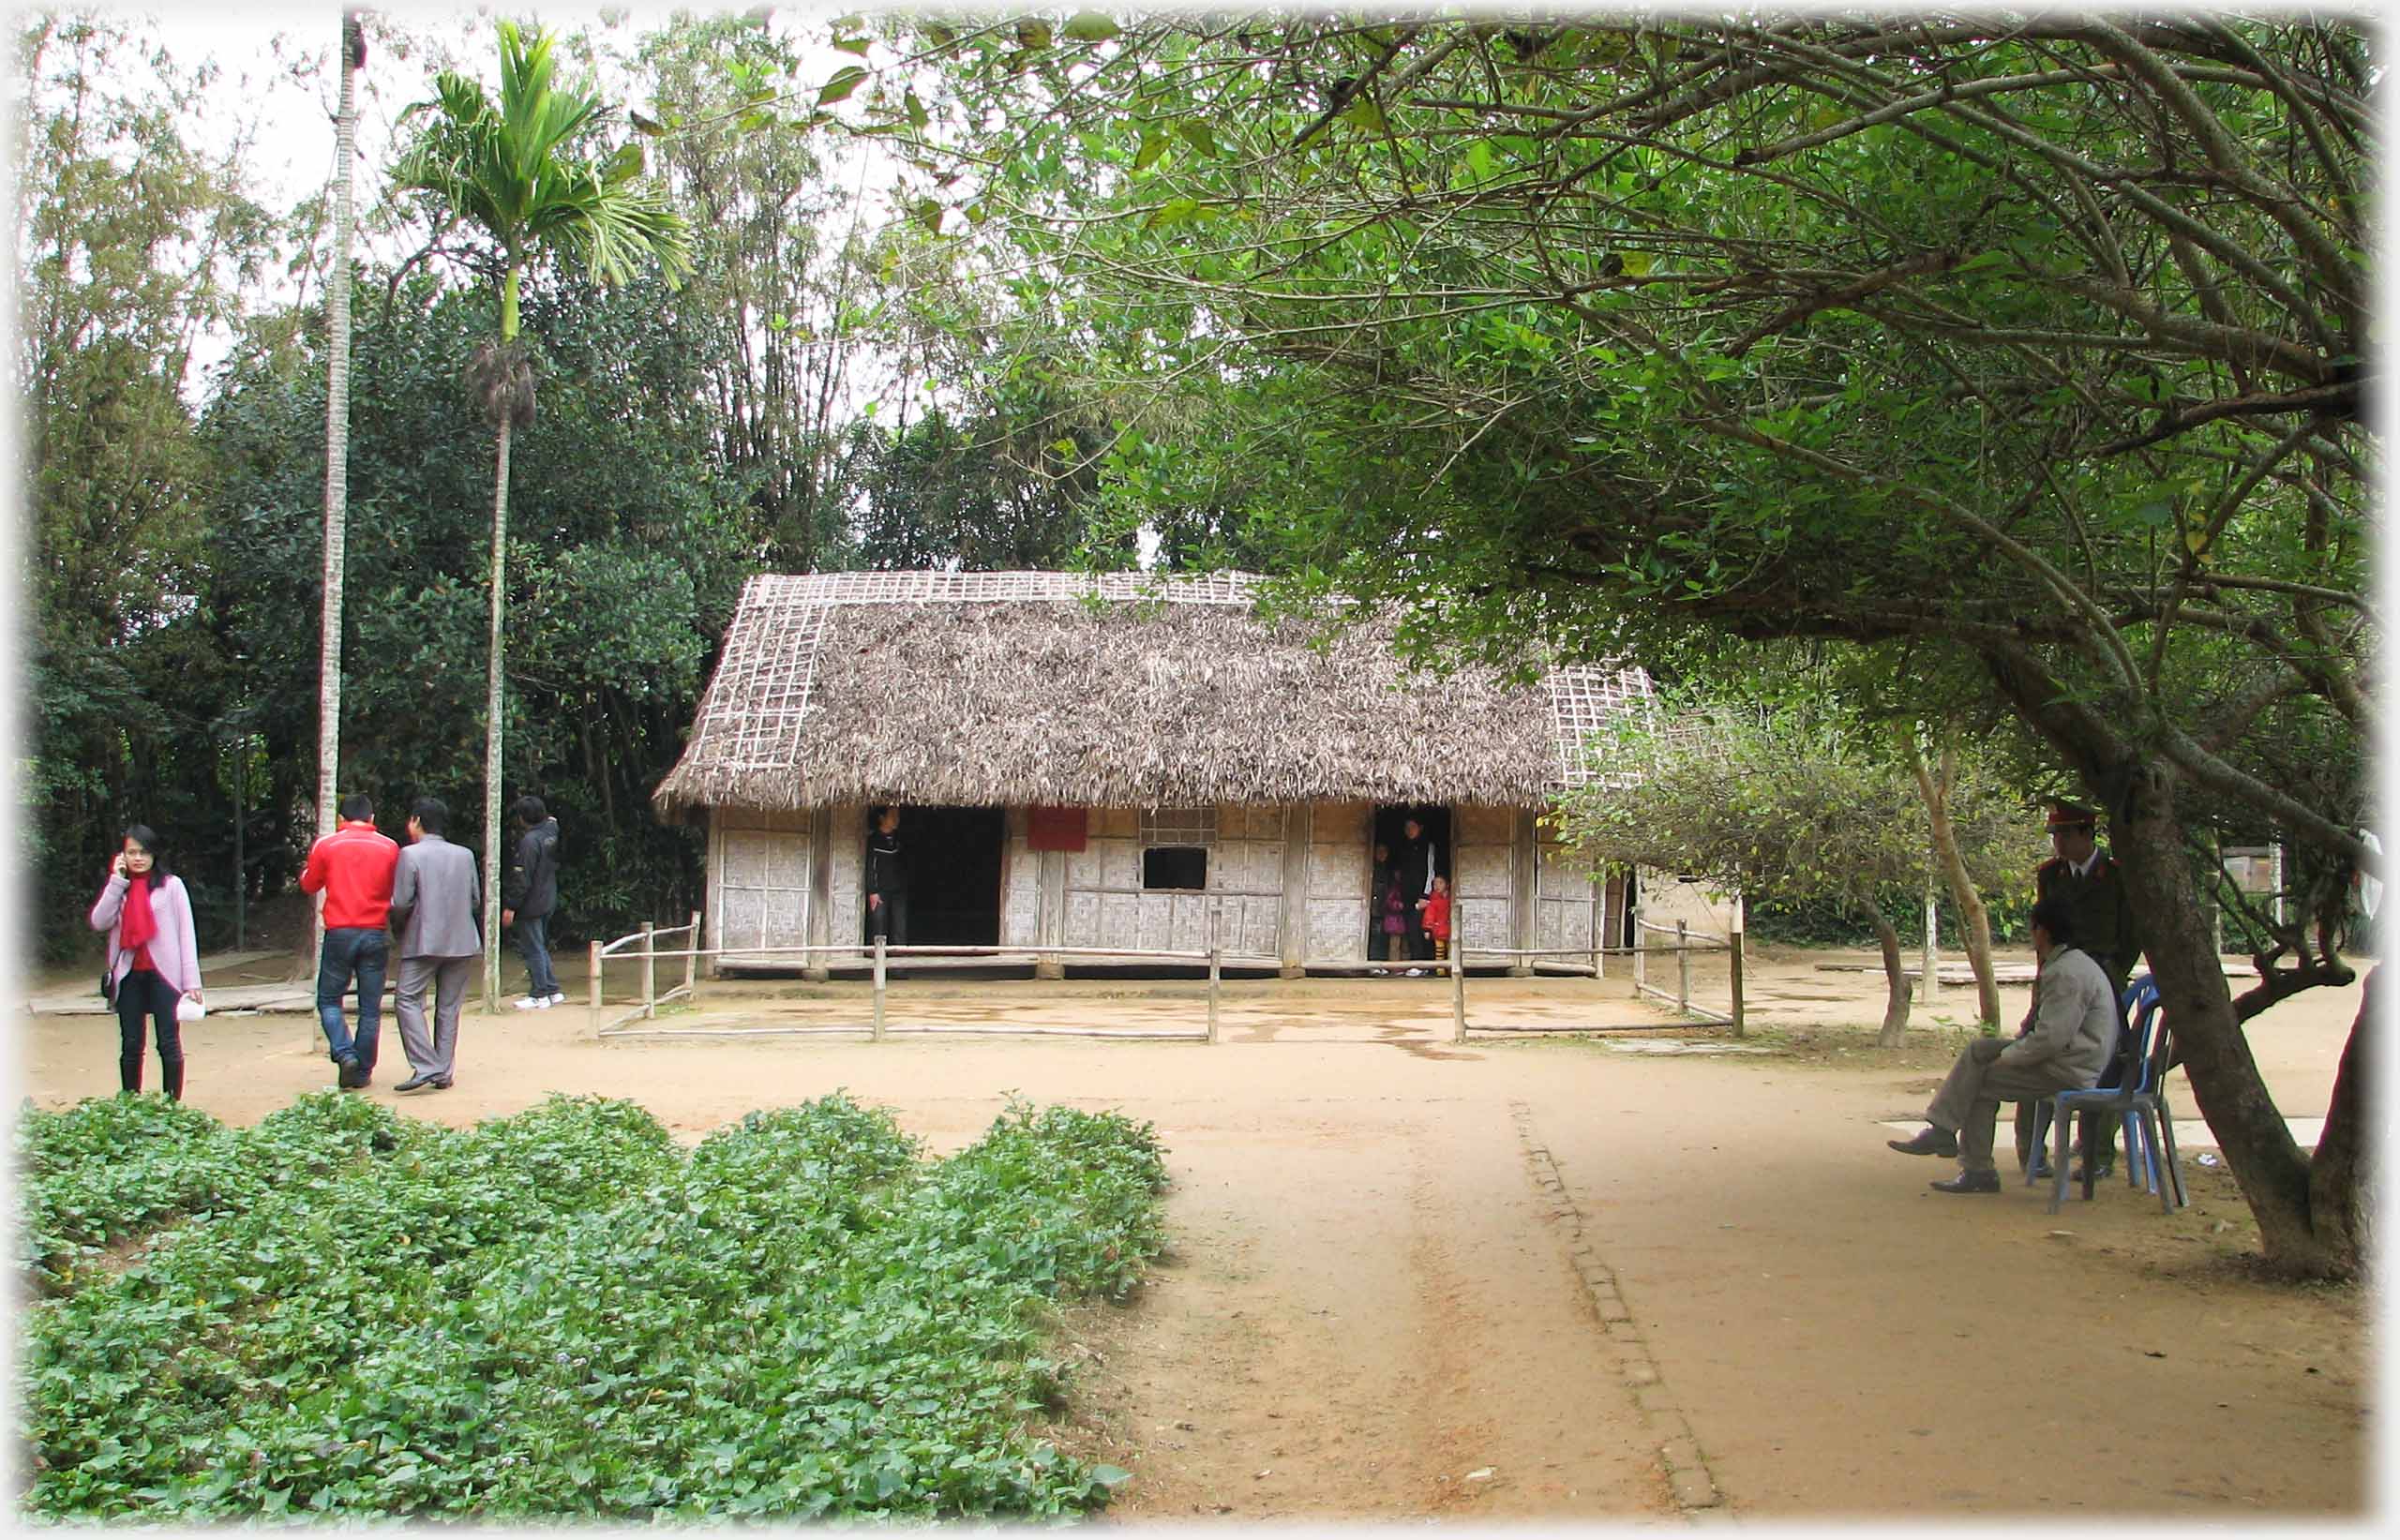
(1390, 831)
(953, 855)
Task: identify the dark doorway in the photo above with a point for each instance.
(954, 861)
(1437, 825)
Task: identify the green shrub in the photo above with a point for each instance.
(556, 1315)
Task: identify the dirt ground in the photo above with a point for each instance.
(1622, 1277)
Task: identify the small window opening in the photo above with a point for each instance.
(1175, 866)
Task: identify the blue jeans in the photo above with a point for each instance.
(534, 943)
(352, 951)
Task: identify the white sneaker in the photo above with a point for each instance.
(529, 1003)
(558, 1000)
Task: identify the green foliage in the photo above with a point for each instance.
(991, 492)
(132, 238)
(1792, 808)
(629, 546)
(555, 1314)
(520, 171)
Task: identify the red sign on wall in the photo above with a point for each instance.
(1056, 829)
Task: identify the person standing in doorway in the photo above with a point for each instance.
(886, 880)
(1380, 879)
(1419, 859)
(530, 895)
(1435, 917)
(435, 896)
(154, 956)
(353, 868)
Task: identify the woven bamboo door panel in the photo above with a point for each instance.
(1339, 858)
(1562, 898)
(1020, 886)
(763, 881)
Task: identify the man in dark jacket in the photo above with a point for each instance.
(886, 880)
(529, 896)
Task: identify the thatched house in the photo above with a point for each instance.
(1119, 761)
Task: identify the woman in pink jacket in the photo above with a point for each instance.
(153, 955)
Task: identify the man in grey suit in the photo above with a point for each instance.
(435, 897)
(2074, 1031)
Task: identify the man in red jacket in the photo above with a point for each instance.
(353, 868)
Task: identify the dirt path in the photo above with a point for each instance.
(1540, 1278)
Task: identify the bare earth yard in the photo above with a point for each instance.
(1540, 1278)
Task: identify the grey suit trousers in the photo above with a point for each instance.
(433, 1055)
(1969, 1101)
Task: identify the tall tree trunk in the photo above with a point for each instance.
(2343, 1176)
(1895, 980)
(1974, 916)
(336, 461)
(492, 727)
(2146, 837)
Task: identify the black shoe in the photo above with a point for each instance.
(352, 1076)
(2040, 1170)
(1933, 1141)
(441, 1084)
(2100, 1175)
(417, 1083)
(1970, 1181)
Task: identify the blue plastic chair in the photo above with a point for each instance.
(2141, 1106)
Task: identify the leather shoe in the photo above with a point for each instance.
(416, 1082)
(1933, 1141)
(1970, 1181)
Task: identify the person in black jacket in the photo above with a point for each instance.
(886, 880)
(528, 896)
(1419, 861)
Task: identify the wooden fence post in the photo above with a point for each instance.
(1739, 905)
(1683, 966)
(1932, 969)
(879, 989)
(649, 971)
(1216, 951)
(1458, 989)
(595, 986)
(692, 955)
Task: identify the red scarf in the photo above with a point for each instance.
(137, 927)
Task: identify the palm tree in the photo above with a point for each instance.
(353, 58)
(510, 171)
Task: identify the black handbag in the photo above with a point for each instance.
(108, 985)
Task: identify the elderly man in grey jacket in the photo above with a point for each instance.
(2074, 1031)
(435, 897)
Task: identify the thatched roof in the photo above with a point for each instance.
(1117, 690)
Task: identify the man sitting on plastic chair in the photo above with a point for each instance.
(2074, 1030)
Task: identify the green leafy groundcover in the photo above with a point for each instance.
(343, 1313)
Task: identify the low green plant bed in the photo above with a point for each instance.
(558, 1314)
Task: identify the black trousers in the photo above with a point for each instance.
(139, 994)
(889, 920)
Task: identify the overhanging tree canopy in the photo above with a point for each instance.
(2038, 339)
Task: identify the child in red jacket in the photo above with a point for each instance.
(1436, 905)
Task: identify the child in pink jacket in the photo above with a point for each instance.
(154, 956)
